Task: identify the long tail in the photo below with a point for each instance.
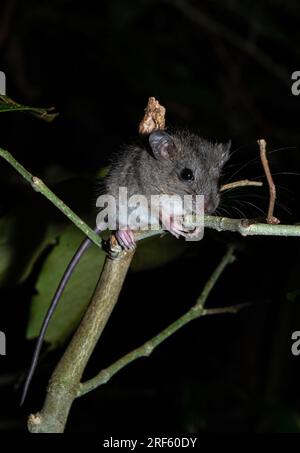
(68, 272)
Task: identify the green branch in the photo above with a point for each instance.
(147, 348)
(9, 105)
(246, 228)
(38, 185)
(241, 226)
(65, 382)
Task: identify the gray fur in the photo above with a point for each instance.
(142, 172)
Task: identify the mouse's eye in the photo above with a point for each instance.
(187, 174)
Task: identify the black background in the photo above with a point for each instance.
(220, 68)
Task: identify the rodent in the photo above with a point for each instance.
(176, 162)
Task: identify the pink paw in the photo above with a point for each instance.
(126, 239)
(178, 229)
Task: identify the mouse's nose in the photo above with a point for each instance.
(210, 205)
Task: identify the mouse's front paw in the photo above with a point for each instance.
(126, 239)
(194, 235)
(177, 228)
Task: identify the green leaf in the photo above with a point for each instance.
(77, 293)
(22, 240)
(155, 252)
(8, 105)
(33, 224)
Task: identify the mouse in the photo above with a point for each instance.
(167, 162)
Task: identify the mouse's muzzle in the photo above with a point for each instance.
(211, 203)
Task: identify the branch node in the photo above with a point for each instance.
(36, 183)
(35, 419)
(148, 350)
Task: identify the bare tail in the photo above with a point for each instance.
(68, 272)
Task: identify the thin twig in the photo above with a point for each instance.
(249, 228)
(242, 183)
(244, 227)
(38, 185)
(147, 348)
(219, 311)
(217, 223)
(272, 188)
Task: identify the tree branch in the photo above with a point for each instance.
(147, 348)
(241, 226)
(242, 183)
(38, 185)
(249, 228)
(272, 188)
(65, 385)
(65, 380)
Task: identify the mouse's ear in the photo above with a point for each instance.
(224, 149)
(161, 144)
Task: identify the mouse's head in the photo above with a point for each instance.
(190, 164)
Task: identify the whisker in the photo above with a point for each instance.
(264, 198)
(220, 209)
(283, 207)
(279, 173)
(239, 211)
(258, 158)
(241, 168)
(285, 188)
(239, 148)
(254, 206)
(286, 173)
